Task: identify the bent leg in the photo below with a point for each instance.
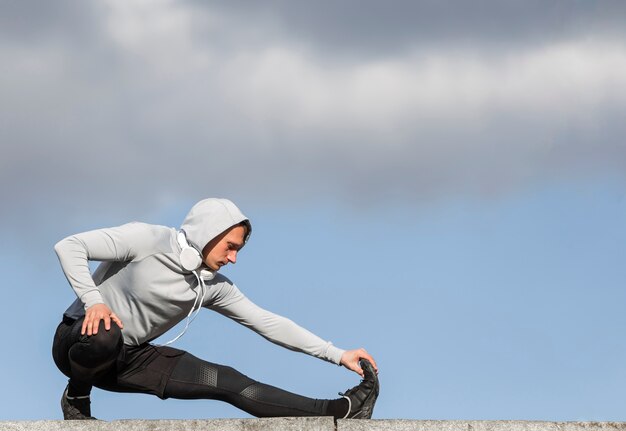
(193, 378)
(83, 358)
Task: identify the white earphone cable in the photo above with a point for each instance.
(191, 318)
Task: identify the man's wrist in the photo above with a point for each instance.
(92, 298)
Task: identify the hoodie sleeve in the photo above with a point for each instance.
(111, 244)
(277, 329)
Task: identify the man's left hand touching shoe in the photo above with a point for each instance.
(350, 359)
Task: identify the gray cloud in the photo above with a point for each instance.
(133, 105)
(369, 27)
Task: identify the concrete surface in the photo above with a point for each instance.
(413, 425)
(307, 424)
(280, 424)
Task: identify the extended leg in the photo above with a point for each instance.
(193, 378)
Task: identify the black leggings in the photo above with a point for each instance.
(104, 361)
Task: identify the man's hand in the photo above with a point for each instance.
(94, 315)
(350, 360)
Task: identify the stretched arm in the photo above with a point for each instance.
(282, 331)
(275, 328)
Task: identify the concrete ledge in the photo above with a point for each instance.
(413, 425)
(281, 424)
(307, 424)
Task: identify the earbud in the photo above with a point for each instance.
(190, 258)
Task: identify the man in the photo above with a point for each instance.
(153, 277)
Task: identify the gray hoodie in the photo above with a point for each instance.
(141, 280)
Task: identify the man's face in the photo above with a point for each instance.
(223, 248)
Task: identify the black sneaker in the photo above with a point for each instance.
(361, 398)
(76, 408)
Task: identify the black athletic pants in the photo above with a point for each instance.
(103, 361)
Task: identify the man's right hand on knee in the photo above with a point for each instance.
(94, 315)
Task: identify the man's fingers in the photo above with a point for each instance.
(360, 371)
(351, 360)
(355, 366)
(117, 320)
(94, 315)
(107, 322)
(372, 361)
(84, 328)
(363, 354)
(94, 325)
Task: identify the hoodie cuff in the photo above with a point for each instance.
(334, 354)
(92, 297)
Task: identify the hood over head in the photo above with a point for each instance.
(209, 218)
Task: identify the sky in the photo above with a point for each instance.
(440, 182)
